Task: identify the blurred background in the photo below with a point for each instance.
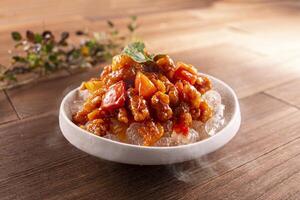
(252, 45)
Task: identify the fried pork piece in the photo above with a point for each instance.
(125, 74)
(106, 70)
(122, 115)
(122, 68)
(80, 118)
(97, 114)
(183, 107)
(186, 119)
(166, 65)
(203, 84)
(195, 113)
(151, 132)
(98, 127)
(189, 93)
(182, 114)
(160, 85)
(206, 111)
(124, 61)
(138, 106)
(170, 90)
(90, 109)
(173, 95)
(160, 102)
(192, 94)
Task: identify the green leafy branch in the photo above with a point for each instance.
(43, 53)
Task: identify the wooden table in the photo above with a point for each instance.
(254, 47)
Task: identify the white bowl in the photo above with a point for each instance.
(142, 155)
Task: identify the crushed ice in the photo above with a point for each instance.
(200, 130)
(133, 137)
(80, 98)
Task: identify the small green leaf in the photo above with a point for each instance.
(91, 44)
(136, 51)
(19, 59)
(75, 53)
(38, 38)
(16, 36)
(52, 58)
(33, 60)
(48, 47)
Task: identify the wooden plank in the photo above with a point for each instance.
(246, 71)
(45, 96)
(17, 139)
(29, 147)
(287, 189)
(6, 109)
(278, 38)
(34, 10)
(36, 157)
(289, 92)
(253, 179)
(252, 51)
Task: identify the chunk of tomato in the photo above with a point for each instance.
(144, 86)
(183, 74)
(114, 97)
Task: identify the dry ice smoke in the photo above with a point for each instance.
(193, 171)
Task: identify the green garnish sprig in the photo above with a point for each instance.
(136, 50)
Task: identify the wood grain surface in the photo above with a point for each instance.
(254, 46)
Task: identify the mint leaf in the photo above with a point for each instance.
(136, 51)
